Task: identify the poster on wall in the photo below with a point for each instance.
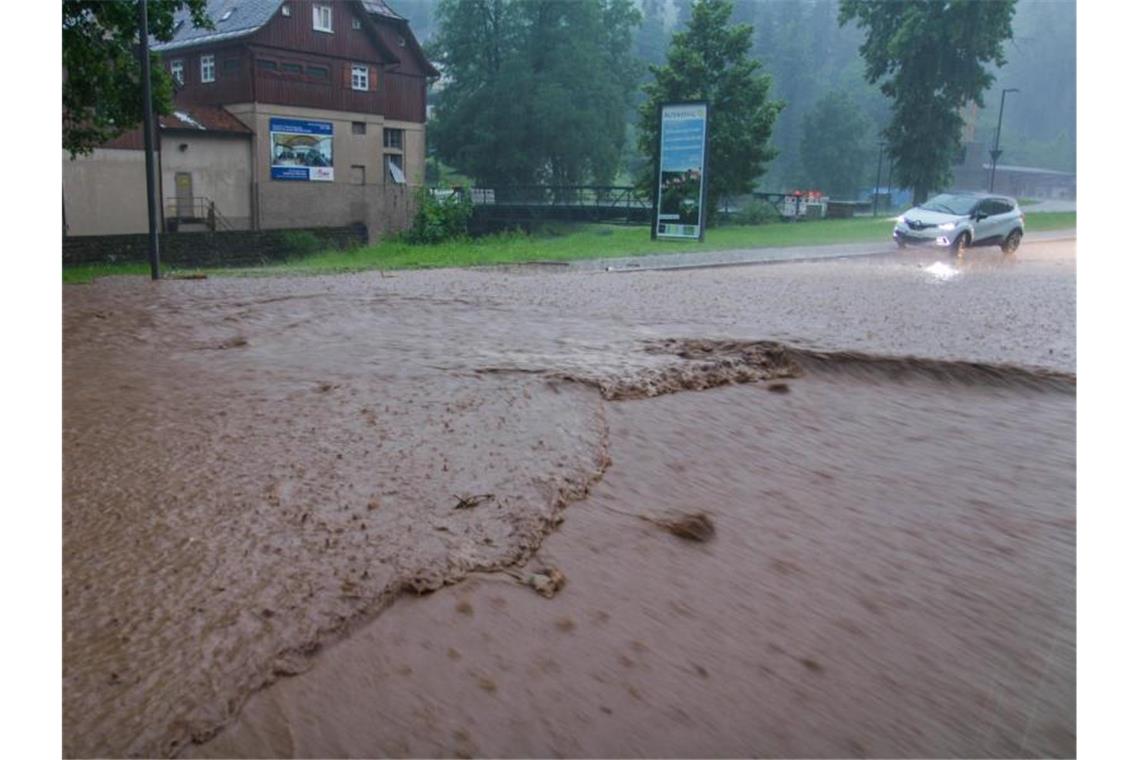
(301, 149)
(681, 172)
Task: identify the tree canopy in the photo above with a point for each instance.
(709, 61)
(930, 59)
(833, 147)
(537, 90)
(102, 83)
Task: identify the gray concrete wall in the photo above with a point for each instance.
(104, 193)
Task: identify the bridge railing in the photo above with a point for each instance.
(605, 196)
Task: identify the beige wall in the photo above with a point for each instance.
(380, 204)
(383, 209)
(104, 193)
(219, 168)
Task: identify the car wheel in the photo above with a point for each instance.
(900, 243)
(1012, 242)
(960, 244)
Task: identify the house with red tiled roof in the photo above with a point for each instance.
(287, 114)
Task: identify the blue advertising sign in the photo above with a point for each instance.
(301, 149)
(681, 171)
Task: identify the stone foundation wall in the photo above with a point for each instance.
(210, 249)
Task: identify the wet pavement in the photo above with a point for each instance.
(254, 468)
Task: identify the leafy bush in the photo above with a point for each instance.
(298, 243)
(439, 219)
(757, 212)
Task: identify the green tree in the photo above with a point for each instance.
(833, 146)
(102, 82)
(930, 59)
(538, 89)
(709, 61)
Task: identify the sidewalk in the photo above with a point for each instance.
(746, 256)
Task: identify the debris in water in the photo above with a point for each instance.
(693, 526)
(467, 502)
(189, 276)
(547, 581)
(778, 387)
(235, 342)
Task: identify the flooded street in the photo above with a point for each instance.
(257, 471)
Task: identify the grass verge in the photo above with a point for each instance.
(584, 242)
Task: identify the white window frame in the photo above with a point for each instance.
(177, 71)
(207, 67)
(360, 78)
(319, 12)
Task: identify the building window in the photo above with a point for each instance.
(360, 78)
(230, 65)
(322, 18)
(357, 175)
(207, 68)
(394, 138)
(176, 72)
(359, 128)
(291, 68)
(266, 64)
(318, 72)
(396, 169)
(286, 10)
(356, 23)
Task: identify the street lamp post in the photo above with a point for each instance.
(997, 137)
(148, 140)
(878, 177)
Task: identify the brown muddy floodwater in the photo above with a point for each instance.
(254, 468)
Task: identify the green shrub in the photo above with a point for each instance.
(439, 219)
(298, 243)
(757, 212)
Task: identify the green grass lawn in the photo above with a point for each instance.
(584, 242)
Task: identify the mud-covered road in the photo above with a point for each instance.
(254, 468)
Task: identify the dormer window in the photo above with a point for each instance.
(226, 15)
(322, 18)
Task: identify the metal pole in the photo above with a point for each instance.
(148, 140)
(997, 138)
(878, 176)
(890, 171)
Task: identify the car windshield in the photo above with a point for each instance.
(950, 204)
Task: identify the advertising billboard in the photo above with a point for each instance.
(301, 149)
(681, 172)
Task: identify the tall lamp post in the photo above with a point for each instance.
(997, 137)
(878, 177)
(148, 140)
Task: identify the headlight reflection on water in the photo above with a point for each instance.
(941, 271)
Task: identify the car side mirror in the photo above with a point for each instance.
(980, 215)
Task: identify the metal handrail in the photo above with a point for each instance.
(202, 209)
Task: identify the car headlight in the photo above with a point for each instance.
(947, 226)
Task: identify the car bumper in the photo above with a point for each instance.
(910, 238)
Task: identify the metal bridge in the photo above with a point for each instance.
(524, 205)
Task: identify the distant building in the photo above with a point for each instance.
(972, 172)
(289, 113)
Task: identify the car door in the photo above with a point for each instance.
(987, 227)
(1009, 218)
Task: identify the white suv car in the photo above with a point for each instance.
(960, 220)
